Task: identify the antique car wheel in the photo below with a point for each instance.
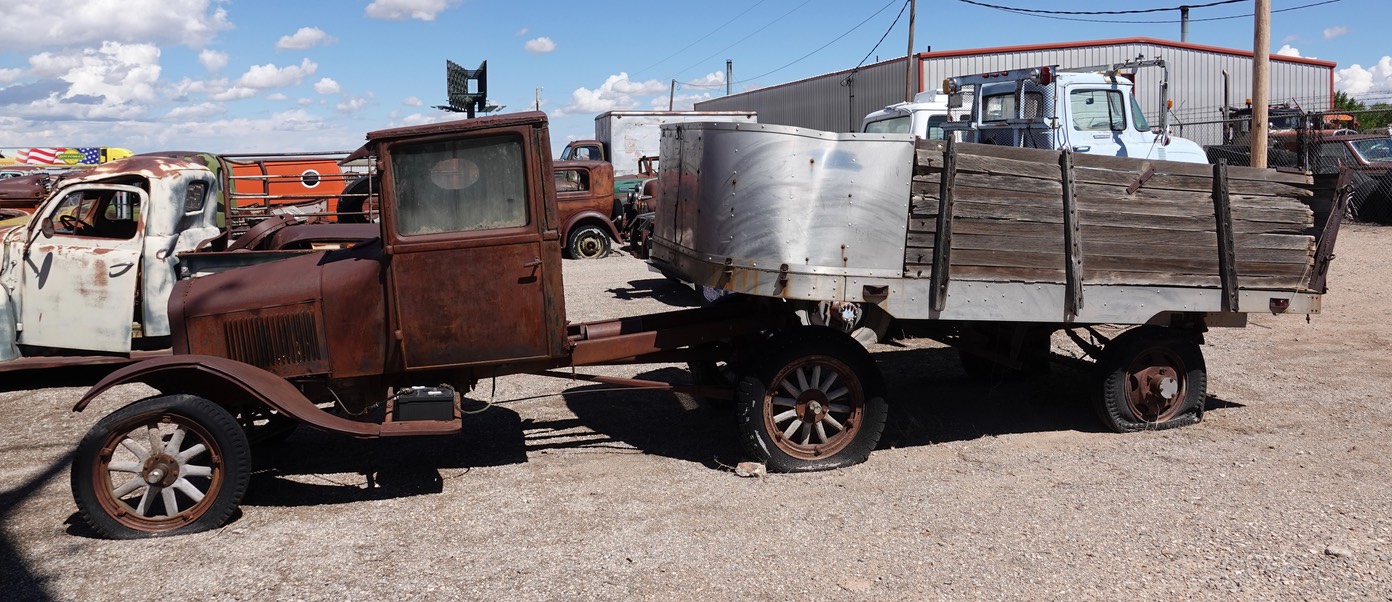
(165, 465)
(815, 402)
(1151, 378)
(588, 242)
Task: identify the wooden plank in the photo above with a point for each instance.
(927, 149)
(1073, 262)
(1104, 277)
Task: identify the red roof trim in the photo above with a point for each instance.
(1117, 41)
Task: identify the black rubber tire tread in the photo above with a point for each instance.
(226, 434)
(573, 243)
(1109, 396)
(778, 352)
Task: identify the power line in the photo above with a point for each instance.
(741, 40)
(698, 40)
(1028, 13)
(805, 56)
(1100, 12)
(886, 34)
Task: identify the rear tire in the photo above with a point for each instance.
(1151, 378)
(815, 401)
(166, 465)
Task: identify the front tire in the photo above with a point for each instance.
(815, 402)
(1151, 379)
(166, 465)
(588, 242)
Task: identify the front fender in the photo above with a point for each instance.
(591, 215)
(228, 383)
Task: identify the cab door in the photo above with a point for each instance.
(473, 256)
(1097, 120)
(81, 270)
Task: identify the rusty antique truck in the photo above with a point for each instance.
(87, 278)
(464, 283)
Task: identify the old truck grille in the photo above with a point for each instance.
(272, 340)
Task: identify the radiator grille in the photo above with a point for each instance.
(274, 340)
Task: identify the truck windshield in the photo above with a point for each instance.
(459, 185)
(1138, 117)
(893, 125)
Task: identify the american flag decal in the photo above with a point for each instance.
(59, 156)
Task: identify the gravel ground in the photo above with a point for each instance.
(980, 492)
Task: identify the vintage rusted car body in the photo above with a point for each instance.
(463, 283)
(585, 204)
(91, 273)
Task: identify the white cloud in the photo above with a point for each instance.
(412, 101)
(1334, 32)
(616, 93)
(521, 32)
(198, 111)
(1288, 50)
(397, 10)
(9, 75)
(77, 23)
(541, 45)
(305, 37)
(1357, 81)
(304, 102)
(326, 86)
(233, 93)
(213, 60)
(277, 96)
(695, 91)
(271, 76)
(352, 105)
(116, 81)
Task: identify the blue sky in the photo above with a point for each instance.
(305, 75)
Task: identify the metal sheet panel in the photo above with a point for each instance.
(762, 195)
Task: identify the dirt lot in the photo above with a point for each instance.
(981, 492)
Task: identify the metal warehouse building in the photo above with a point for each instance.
(837, 101)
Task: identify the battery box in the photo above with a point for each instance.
(425, 403)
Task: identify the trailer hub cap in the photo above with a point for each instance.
(1155, 388)
(161, 470)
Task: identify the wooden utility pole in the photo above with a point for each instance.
(909, 67)
(1261, 70)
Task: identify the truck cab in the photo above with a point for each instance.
(586, 206)
(924, 117)
(93, 269)
(1090, 110)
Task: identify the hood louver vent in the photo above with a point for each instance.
(274, 339)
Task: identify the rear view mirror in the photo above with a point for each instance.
(46, 226)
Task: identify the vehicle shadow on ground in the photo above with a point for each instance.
(932, 400)
(666, 291)
(312, 468)
(49, 378)
(20, 582)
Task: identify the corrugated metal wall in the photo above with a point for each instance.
(1196, 84)
(835, 102)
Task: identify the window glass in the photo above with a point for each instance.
(572, 180)
(1373, 149)
(459, 185)
(195, 196)
(97, 214)
(998, 108)
(1097, 110)
(1139, 117)
(893, 125)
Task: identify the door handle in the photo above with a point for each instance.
(536, 261)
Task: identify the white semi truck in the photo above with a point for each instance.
(1089, 110)
(623, 138)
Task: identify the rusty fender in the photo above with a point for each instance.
(594, 215)
(232, 385)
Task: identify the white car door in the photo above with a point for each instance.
(81, 268)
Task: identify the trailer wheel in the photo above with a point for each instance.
(165, 465)
(1151, 379)
(814, 402)
(588, 242)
